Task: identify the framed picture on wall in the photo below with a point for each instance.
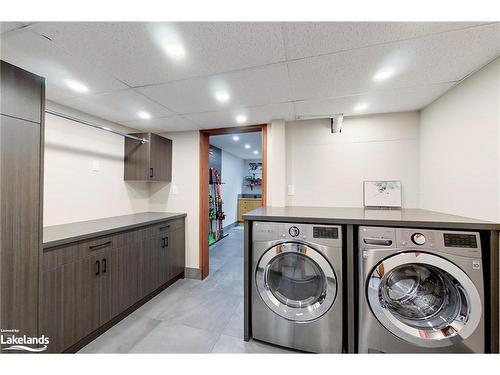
(382, 194)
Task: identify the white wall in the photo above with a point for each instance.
(329, 169)
(276, 163)
(232, 175)
(72, 190)
(185, 179)
(459, 148)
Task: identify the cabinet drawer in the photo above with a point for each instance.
(127, 238)
(165, 227)
(61, 255)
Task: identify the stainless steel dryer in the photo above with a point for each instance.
(421, 291)
(297, 286)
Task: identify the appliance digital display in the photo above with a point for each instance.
(326, 232)
(460, 240)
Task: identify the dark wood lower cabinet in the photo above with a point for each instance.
(69, 309)
(83, 290)
(176, 252)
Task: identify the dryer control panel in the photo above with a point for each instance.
(327, 235)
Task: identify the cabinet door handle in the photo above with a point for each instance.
(163, 245)
(165, 227)
(104, 265)
(151, 174)
(98, 267)
(100, 246)
(166, 241)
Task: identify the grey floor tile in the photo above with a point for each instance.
(229, 344)
(225, 282)
(230, 249)
(210, 311)
(216, 262)
(233, 264)
(123, 336)
(172, 296)
(235, 326)
(168, 338)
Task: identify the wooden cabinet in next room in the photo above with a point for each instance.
(149, 161)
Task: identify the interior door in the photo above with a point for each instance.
(424, 299)
(296, 281)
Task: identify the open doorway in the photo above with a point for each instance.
(232, 182)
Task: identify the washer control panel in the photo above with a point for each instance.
(454, 242)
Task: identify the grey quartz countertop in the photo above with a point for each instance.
(57, 235)
(357, 215)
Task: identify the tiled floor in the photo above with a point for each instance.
(191, 316)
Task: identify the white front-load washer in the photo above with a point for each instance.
(297, 286)
(420, 291)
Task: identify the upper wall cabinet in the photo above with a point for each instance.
(150, 161)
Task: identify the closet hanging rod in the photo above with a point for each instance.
(67, 117)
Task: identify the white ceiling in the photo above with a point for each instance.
(237, 148)
(270, 70)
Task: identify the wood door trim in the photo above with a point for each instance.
(204, 168)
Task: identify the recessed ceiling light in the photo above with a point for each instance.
(236, 138)
(382, 75)
(255, 152)
(76, 86)
(222, 96)
(240, 119)
(175, 50)
(247, 146)
(144, 115)
(360, 107)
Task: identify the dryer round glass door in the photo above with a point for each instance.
(296, 281)
(424, 299)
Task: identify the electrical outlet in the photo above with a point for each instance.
(174, 190)
(291, 189)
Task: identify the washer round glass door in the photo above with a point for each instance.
(424, 299)
(296, 281)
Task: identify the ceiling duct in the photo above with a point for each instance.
(336, 121)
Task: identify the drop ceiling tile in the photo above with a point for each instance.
(434, 59)
(316, 38)
(246, 88)
(116, 106)
(255, 115)
(40, 56)
(377, 102)
(163, 124)
(134, 51)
